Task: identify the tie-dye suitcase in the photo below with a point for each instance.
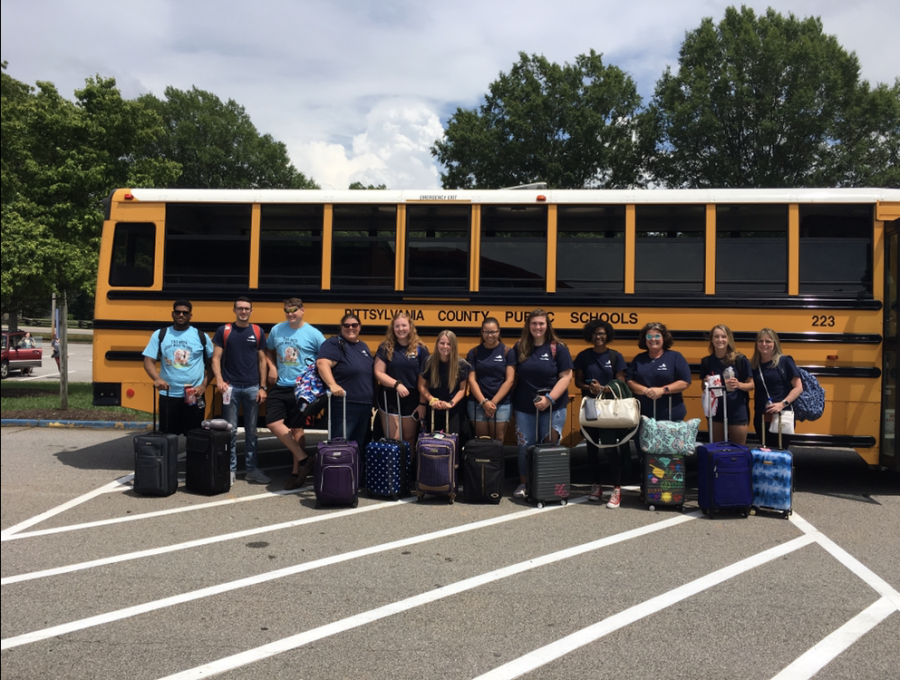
(773, 479)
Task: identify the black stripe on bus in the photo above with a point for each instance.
(568, 334)
(532, 298)
(824, 371)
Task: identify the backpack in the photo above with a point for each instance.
(227, 331)
(309, 391)
(810, 405)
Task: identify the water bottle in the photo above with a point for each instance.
(727, 375)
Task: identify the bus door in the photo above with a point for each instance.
(889, 457)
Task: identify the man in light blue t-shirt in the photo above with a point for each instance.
(183, 356)
(291, 346)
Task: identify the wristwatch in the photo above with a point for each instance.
(785, 402)
(666, 389)
(264, 388)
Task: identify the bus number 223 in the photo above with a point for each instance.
(822, 320)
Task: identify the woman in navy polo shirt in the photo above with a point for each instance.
(659, 374)
(490, 382)
(442, 385)
(542, 363)
(398, 363)
(346, 366)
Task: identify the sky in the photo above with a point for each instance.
(359, 90)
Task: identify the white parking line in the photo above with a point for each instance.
(128, 612)
(832, 646)
(343, 625)
(570, 643)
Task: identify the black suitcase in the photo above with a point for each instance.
(155, 461)
(208, 465)
(483, 467)
(549, 476)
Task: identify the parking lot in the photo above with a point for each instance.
(257, 583)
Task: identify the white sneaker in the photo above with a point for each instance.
(258, 477)
(519, 492)
(615, 499)
(232, 478)
(596, 493)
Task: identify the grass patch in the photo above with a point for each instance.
(41, 400)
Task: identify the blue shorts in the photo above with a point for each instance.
(476, 413)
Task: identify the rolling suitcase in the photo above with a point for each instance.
(388, 464)
(483, 464)
(548, 469)
(663, 476)
(436, 462)
(208, 461)
(155, 461)
(723, 474)
(336, 477)
(773, 478)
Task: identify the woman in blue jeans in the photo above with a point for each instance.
(543, 372)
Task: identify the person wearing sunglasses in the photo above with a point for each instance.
(183, 353)
(346, 366)
(659, 373)
(292, 345)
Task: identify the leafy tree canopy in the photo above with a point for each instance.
(361, 186)
(60, 159)
(571, 126)
(770, 101)
(218, 146)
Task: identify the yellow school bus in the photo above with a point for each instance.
(817, 265)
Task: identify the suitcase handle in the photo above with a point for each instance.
(537, 419)
(328, 392)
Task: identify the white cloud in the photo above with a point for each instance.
(356, 89)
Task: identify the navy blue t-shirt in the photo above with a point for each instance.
(403, 368)
(447, 390)
(490, 366)
(601, 366)
(738, 406)
(669, 367)
(240, 359)
(354, 368)
(777, 380)
(540, 371)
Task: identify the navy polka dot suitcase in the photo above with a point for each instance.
(388, 466)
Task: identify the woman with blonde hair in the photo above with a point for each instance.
(723, 354)
(399, 361)
(778, 382)
(442, 385)
(543, 373)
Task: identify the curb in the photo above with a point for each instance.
(86, 424)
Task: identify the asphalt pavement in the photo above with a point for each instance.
(257, 583)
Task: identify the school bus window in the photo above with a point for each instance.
(290, 246)
(365, 241)
(669, 249)
(836, 249)
(590, 247)
(751, 249)
(513, 246)
(438, 247)
(133, 254)
(207, 247)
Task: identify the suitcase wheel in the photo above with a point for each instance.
(563, 502)
(540, 505)
(651, 508)
(355, 503)
(395, 497)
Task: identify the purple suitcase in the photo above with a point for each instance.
(336, 477)
(437, 462)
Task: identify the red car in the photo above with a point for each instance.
(21, 352)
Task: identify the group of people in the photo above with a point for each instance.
(410, 386)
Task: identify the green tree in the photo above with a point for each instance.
(358, 186)
(770, 101)
(218, 146)
(572, 126)
(60, 160)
